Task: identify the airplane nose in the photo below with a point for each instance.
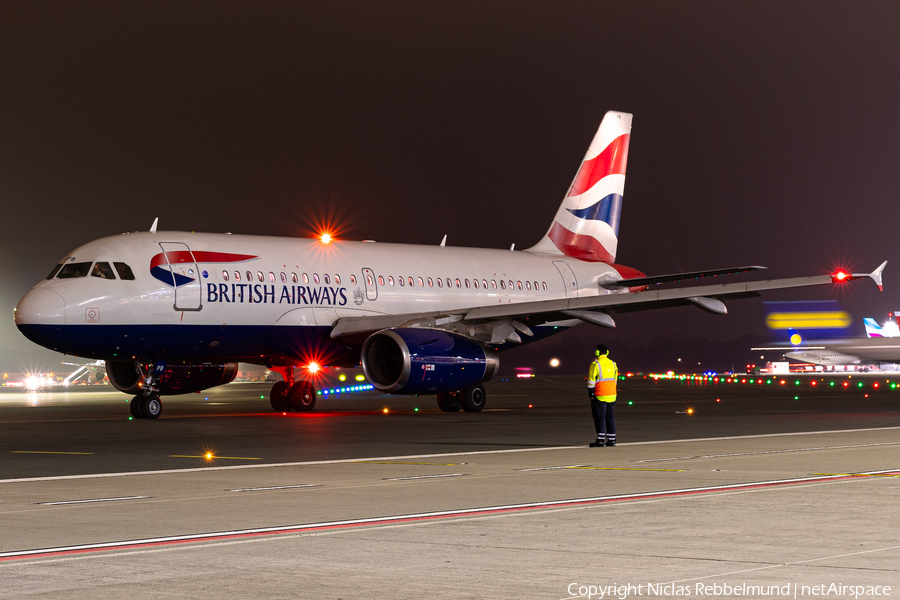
(41, 306)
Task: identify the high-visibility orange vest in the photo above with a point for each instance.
(604, 374)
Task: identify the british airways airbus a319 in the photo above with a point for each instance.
(173, 312)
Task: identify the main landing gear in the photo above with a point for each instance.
(471, 399)
(297, 396)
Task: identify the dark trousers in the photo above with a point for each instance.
(604, 419)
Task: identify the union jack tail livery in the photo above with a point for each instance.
(586, 225)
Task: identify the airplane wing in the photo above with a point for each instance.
(592, 309)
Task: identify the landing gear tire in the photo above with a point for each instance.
(151, 407)
(135, 406)
(448, 401)
(473, 398)
(278, 397)
(302, 396)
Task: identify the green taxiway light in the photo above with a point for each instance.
(832, 383)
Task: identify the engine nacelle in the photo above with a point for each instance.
(425, 361)
(176, 379)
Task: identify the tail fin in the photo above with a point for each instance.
(795, 338)
(586, 226)
(872, 328)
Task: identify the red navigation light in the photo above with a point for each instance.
(313, 368)
(840, 276)
(325, 237)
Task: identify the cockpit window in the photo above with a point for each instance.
(124, 271)
(55, 271)
(74, 270)
(103, 271)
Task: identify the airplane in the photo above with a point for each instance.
(874, 330)
(173, 312)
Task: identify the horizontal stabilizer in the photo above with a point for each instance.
(642, 281)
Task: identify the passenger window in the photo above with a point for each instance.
(224, 275)
(352, 279)
(369, 280)
(502, 285)
(449, 283)
(294, 277)
(327, 278)
(440, 282)
(430, 282)
(55, 271)
(410, 282)
(381, 280)
(391, 280)
(259, 275)
(400, 281)
(484, 283)
(315, 277)
(74, 270)
(103, 271)
(457, 283)
(237, 276)
(544, 285)
(528, 285)
(494, 283)
(337, 279)
(421, 283)
(536, 286)
(520, 285)
(467, 284)
(283, 278)
(124, 271)
(306, 278)
(475, 281)
(511, 286)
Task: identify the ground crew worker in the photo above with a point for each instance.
(602, 377)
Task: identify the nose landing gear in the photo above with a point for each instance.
(147, 405)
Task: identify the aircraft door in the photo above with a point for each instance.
(568, 278)
(185, 275)
(371, 287)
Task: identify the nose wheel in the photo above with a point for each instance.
(146, 407)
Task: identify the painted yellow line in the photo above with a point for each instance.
(204, 457)
(626, 469)
(385, 462)
(43, 452)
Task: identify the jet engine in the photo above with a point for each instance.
(425, 361)
(176, 379)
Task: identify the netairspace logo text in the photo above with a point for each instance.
(724, 590)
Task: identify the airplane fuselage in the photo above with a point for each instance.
(273, 300)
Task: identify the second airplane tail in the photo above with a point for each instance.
(586, 226)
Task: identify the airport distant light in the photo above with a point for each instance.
(554, 362)
(342, 377)
(325, 237)
(360, 378)
(384, 410)
(690, 411)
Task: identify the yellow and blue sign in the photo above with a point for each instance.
(794, 321)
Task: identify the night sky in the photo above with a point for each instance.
(764, 133)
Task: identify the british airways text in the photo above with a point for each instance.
(259, 293)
